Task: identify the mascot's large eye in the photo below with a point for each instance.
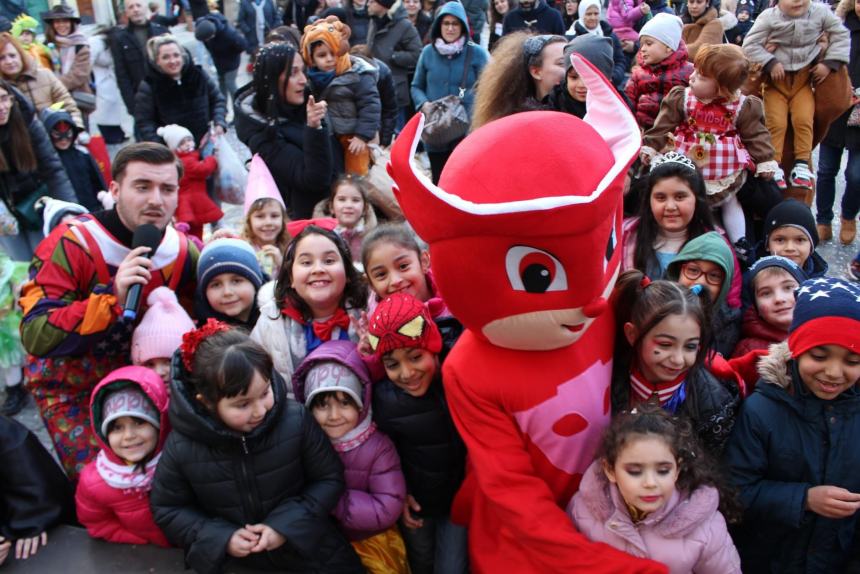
(534, 271)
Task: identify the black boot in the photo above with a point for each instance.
(16, 399)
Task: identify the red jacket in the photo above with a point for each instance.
(195, 206)
(757, 334)
(648, 85)
(110, 513)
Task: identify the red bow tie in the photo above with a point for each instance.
(322, 329)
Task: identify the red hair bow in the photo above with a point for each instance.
(296, 227)
(192, 339)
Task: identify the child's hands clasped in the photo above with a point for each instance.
(832, 501)
(253, 538)
(269, 538)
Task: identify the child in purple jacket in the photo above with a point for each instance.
(334, 384)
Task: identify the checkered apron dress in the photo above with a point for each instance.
(710, 138)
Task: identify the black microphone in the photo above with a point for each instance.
(146, 235)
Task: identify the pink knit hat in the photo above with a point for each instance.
(261, 184)
(160, 332)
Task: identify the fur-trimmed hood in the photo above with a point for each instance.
(680, 516)
(773, 368)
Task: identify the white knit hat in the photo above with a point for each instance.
(160, 331)
(664, 28)
(173, 135)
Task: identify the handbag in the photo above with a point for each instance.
(447, 119)
(85, 101)
(25, 209)
(854, 116)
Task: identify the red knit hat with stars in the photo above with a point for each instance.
(402, 321)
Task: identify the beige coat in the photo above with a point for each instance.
(796, 39)
(43, 88)
(708, 29)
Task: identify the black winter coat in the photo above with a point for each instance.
(388, 97)
(34, 492)
(711, 404)
(304, 161)
(212, 480)
(840, 135)
(85, 175)
(354, 107)
(785, 442)
(543, 19)
(130, 61)
(226, 46)
(432, 454)
(396, 42)
(16, 186)
(192, 102)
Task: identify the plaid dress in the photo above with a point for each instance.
(710, 138)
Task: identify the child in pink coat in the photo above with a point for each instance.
(651, 494)
(129, 418)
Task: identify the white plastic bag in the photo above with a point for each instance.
(231, 177)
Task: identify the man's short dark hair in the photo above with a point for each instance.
(146, 152)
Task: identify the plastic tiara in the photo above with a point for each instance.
(672, 157)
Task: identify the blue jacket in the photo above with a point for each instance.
(784, 442)
(226, 46)
(437, 76)
(247, 21)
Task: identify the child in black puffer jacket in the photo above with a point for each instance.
(246, 473)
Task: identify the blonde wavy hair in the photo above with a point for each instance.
(845, 7)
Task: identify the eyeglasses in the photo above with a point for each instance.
(692, 272)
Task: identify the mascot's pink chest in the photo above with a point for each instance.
(567, 427)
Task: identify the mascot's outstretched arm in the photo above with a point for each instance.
(523, 231)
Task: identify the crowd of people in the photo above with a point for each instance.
(274, 393)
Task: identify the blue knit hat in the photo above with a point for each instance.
(777, 261)
(228, 256)
(827, 313)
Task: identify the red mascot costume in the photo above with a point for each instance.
(523, 232)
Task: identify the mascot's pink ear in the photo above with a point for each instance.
(607, 113)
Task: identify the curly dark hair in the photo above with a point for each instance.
(696, 467)
(354, 292)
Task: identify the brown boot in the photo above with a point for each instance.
(848, 231)
(825, 231)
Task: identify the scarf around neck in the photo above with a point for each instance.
(126, 477)
(452, 49)
(357, 436)
(671, 394)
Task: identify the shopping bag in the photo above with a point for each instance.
(231, 177)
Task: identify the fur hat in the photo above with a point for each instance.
(335, 34)
(173, 135)
(402, 321)
(791, 213)
(261, 184)
(160, 331)
(665, 28)
(827, 313)
(128, 402)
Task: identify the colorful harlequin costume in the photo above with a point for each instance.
(526, 258)
(72, 325)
